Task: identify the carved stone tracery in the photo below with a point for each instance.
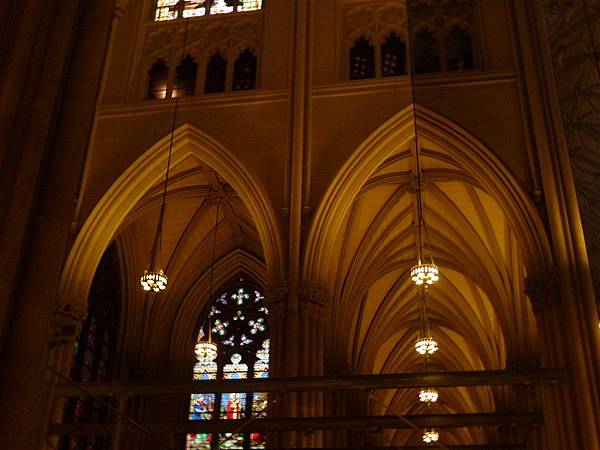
(313, 300)
(227, 35)
(374, 21)
(66, 324)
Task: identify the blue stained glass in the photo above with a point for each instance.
(202, 406)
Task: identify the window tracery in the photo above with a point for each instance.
(240, 327)
(442, 33)
(175, 9)
(442, 36)
(94, 355)
(225, 54)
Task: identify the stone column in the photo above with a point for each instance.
(312, 307)
(277, 302)
(65, 327)
(561, 428)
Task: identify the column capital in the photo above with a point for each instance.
(119, 8)
(277, 297)
(66, 324)
(543, 289)
(313, 298)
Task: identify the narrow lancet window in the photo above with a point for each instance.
(239, 320)
(244, 71)
(216, 74)
(393, 56)
(158, 77)
(185, 78)
(362, 60)
(459, 53)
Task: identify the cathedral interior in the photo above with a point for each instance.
(300, 224)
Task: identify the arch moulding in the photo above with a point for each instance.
(475, 158)
(114, 206)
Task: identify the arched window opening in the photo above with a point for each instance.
(458, 49)
(426, 51)
(393, 56)
(94, 356)
(362, 60)
(244, 71)
(216, 74)
(194, 8)
(158, 77)
(185, 77)
(166, 10)
(240, 327)
(175, 9)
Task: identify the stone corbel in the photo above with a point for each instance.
(277, 298)
(119, 8)
(65, 325)
(313, 299)
(543, 289)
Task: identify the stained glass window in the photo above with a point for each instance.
(239, 319)
(94, 356)
(362, 60)
(426, 51)
(244, 71)
(185, 77)
(393, 56)
(216, 74)
(175, 9)
(442, 34)
(158, 76)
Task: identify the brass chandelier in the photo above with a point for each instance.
(154, 277)
(205, 349)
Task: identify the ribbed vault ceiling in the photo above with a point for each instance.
(477, 310)
(187, 243)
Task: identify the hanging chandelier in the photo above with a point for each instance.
(154, 277)
(425, 272)
(428, 395)
(430, 436)
(425, 345)
(206, 350)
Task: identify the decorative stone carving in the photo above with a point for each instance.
(543, 289)
(119, 7)
(228, 34)
(66, 324)
(374, 21)
(277, 298)
(313, 299)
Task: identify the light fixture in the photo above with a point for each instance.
(428, 395)
(154, 278)
(430, 436)
(425, 272)
(206, 350)
(426, 346)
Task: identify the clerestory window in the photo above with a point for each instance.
(176, 9)
(239, 320)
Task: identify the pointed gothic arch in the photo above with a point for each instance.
(119, 200)
(478, 161)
